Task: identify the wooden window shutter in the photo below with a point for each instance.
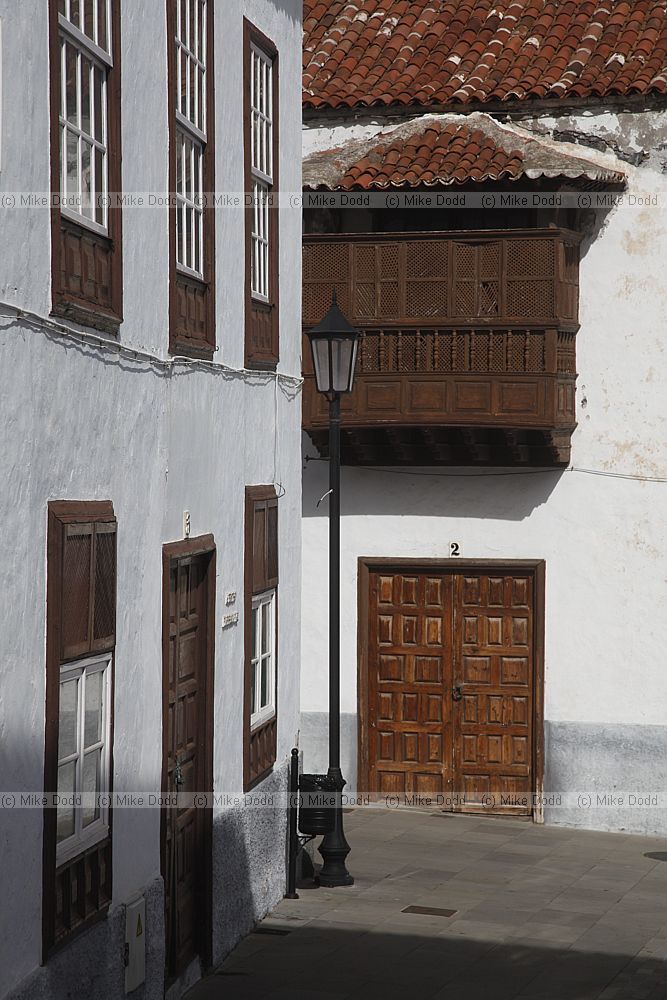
(88, 599)
(104, 591)
(76, 597)
(258, 547)
(272, 543)
(264, 516)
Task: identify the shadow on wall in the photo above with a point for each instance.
(592, 223)
(292, 8)
(233, 903)
(249, 879)
(92, 964)
(249, 862)
(459, 493)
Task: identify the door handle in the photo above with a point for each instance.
(457, 693)
(178, 774)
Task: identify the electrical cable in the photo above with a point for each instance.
(42, 324)
(45, 325)
(483, 474)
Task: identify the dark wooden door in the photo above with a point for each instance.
(410, 681)
(450, 687)
(187, 756)
(493, 678)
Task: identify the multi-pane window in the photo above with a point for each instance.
(80, 643)
(86, 59)
(191, 132)
(261, 633)
(189, 212)
(261, 86)
(262, 680)
(85, 141)
(83, 754)
(261, 168)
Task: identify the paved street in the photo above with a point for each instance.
(540, 914)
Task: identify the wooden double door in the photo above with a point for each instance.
(450, 692)
(188, 618)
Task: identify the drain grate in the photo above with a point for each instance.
(271, 930)
(432, 911)
(656, 855)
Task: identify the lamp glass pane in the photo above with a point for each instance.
(321, 364)
(355, 348)
(341, 357)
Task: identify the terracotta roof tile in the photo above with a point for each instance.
(448, 149)
(382, 52)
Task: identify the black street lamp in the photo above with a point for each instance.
(334, 345)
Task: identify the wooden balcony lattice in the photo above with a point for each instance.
(458, 330)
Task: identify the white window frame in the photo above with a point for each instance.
(263, 603)
(85, 837)
(261, 168)
(100, 58)
(189, 201)
(188, 130)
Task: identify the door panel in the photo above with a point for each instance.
(493, 625)
(410, 649)
(186, 850)
(450, 686)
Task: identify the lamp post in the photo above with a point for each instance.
(334, 345)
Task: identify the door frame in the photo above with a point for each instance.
(535, 568)
(203, 545)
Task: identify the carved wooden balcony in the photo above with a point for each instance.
(467, 351)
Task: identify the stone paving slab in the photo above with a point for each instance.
(542, 913)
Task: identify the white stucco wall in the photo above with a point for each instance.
(81, 422)
(604, 543)
(603, 536)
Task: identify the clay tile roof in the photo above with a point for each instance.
(382, 52)
(451, 149)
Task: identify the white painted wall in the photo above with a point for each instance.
(84, 423)
(604, 543)
(604, 539)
